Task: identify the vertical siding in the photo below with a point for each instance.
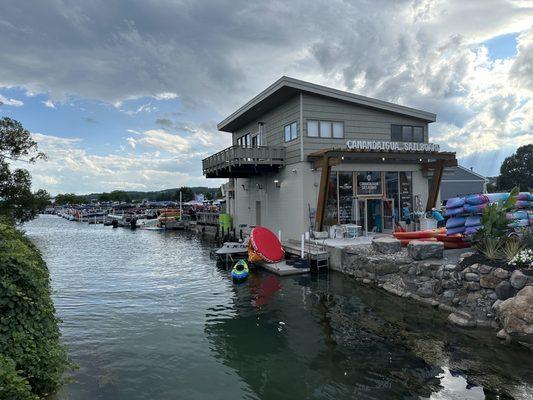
(359, 122)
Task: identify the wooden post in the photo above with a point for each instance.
(435, 185)
(322, 193)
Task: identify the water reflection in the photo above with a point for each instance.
(148, 316)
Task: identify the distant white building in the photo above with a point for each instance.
(461, 181)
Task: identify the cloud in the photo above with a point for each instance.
(166, 96)
(49, 104)
(214, 56)
(70, 168)
(10, 102)
(164, 123)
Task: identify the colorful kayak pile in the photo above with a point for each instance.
(456, 241)
(464, 213)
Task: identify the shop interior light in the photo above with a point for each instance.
(382, 158)
(276, 182)
(342, 158)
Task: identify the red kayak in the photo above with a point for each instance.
(456, 238)
(430, 233)
(405, 242)
(457, 245)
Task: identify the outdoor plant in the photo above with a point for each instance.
(523, 259)
(489, 246)
(510, 248)
(32, 359)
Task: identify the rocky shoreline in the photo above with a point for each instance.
(474, 294)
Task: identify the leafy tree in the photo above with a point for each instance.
(186, 193)
(208, 196)
(517, 170)
(218, 193)
(119, 195)
(16, 145)
(69, 198)
(104, 197)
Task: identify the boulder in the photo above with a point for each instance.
(461, 320)
(516, 316)
(472, 286)
(386, 245)
(518, 280)
(489, 281)
(501, 273)
(426, 289)
(472, 277)
(504, 290)
(419, 250)
(484, 269)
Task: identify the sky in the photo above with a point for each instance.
(127, 94)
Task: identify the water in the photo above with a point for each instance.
(147, 315)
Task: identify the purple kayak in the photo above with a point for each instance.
(525, 196)
(455, 202)
(453, 231)
(475, 199)
(454, 222)
(496, 197)
(524, 204)
(470, 208)
(473, 220)
(518, 223)
(471, 230)
(522, 214)
(450, 212)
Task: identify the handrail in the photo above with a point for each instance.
(237, 155)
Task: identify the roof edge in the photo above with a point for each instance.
(305, 86)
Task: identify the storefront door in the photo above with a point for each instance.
(388, 215)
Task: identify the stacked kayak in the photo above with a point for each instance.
(464, 213)
(265, 246)
(429, 235)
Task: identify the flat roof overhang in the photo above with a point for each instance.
(426, 159)
(242, 171)
(286, 87)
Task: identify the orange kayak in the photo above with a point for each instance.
(452, 238)
(456, 245)
(431, 233)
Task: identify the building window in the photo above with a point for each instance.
(244, 141)
(369, 183)
(312, 128)
(325, 129)
(290, 131)
(407, 133)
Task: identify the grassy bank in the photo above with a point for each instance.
(32, 360)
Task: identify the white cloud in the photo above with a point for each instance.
(10, 102)
(161, 140)
(166, 96)
(49, 104)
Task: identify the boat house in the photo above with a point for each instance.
(308, 157)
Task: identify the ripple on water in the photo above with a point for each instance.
(147, 315)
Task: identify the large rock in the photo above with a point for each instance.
(484, 269)
(461, 320)
(516, 316)
(472, 277)
(501, 273)
(518, 280)
(386, 245)
(489, 281)
(504, 290)
(419, 250)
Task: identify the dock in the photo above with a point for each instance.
(316, 253)
(283, 269)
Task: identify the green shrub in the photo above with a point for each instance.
(12, 385)
(489, 246)
(29, 332)
(510, 248)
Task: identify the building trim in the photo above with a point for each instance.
(230, 123)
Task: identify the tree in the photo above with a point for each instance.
(119, 195)
(16, 145)
(186, 193)
(208, 196)
(104, 197)
(219, 193)
(68, 198)
(517, 170)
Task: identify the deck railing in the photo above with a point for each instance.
(239, 155)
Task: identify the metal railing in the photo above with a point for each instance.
(239, 155)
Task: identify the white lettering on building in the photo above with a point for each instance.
(392, 146)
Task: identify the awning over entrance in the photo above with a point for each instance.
(430, 161)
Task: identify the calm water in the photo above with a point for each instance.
(147, 315)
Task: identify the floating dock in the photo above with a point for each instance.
(283, 269)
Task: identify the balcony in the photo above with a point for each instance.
(241, 162)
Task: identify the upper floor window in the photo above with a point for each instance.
(325, 129)
(244, 141)
(407, 133)
(290, 131)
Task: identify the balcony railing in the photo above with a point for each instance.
(239, 159)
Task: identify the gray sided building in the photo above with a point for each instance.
(460, 181)
(307, 155)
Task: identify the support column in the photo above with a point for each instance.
(435, 185)
(322, 193)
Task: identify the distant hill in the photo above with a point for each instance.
(160, 195)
